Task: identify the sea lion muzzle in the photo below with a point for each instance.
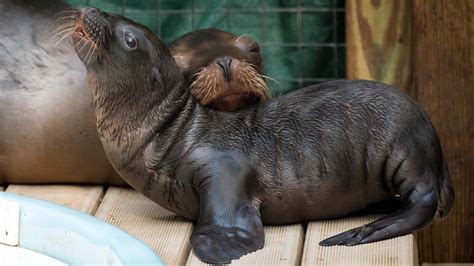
(89, 34)
(90, 20)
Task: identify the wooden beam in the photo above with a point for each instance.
(81, 198)
(379, 41)
(165, 232)
(395, 251)
(283, 246)
(443, 32)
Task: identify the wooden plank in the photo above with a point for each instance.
(396, 251)
(443, 32)
(379, 41)
(163, 231)
(283, 246)
(81, 198)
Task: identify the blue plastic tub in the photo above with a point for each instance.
(76, 238)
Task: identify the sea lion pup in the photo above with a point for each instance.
(225, 71)
(323, 151)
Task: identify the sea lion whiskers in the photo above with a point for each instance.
(198, 73)
(97, 45)
(84, 44)
(254, 67)
(269, 78)
(254, 80)
(214, 88)
(67, 10)
(196, 84)
(208, 85)
(243, 35)
(213, 81)
(89, 57)
(67, 32)
(94, 48)
(68, 15)
(64, 26)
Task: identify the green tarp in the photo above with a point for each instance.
(302, 40)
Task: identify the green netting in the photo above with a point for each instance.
(302, 40)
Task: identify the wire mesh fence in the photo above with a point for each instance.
(302, 41)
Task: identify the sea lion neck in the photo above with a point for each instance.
(127, 118)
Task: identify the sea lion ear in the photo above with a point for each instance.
(181, 61)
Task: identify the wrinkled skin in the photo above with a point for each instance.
(324, 151)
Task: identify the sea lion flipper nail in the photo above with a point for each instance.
(229, 223)
(411, 217)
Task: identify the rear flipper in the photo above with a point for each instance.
(418, 212)
(229, 224)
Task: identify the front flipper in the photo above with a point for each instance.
(215, 243)
(229, 224)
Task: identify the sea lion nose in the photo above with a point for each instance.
(92, 22)
(90, 11)
(225, 63)
(91, 14)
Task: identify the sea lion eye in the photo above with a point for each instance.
(130, 41)
(254, 48)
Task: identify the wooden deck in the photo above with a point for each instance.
(169, 234)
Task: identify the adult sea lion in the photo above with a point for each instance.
(47, 128)
(225, 71)
(320, 152)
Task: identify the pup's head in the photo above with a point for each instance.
(224, 71)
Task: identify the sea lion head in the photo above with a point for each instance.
(122, 53)
(130, 72)
(224, 71)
